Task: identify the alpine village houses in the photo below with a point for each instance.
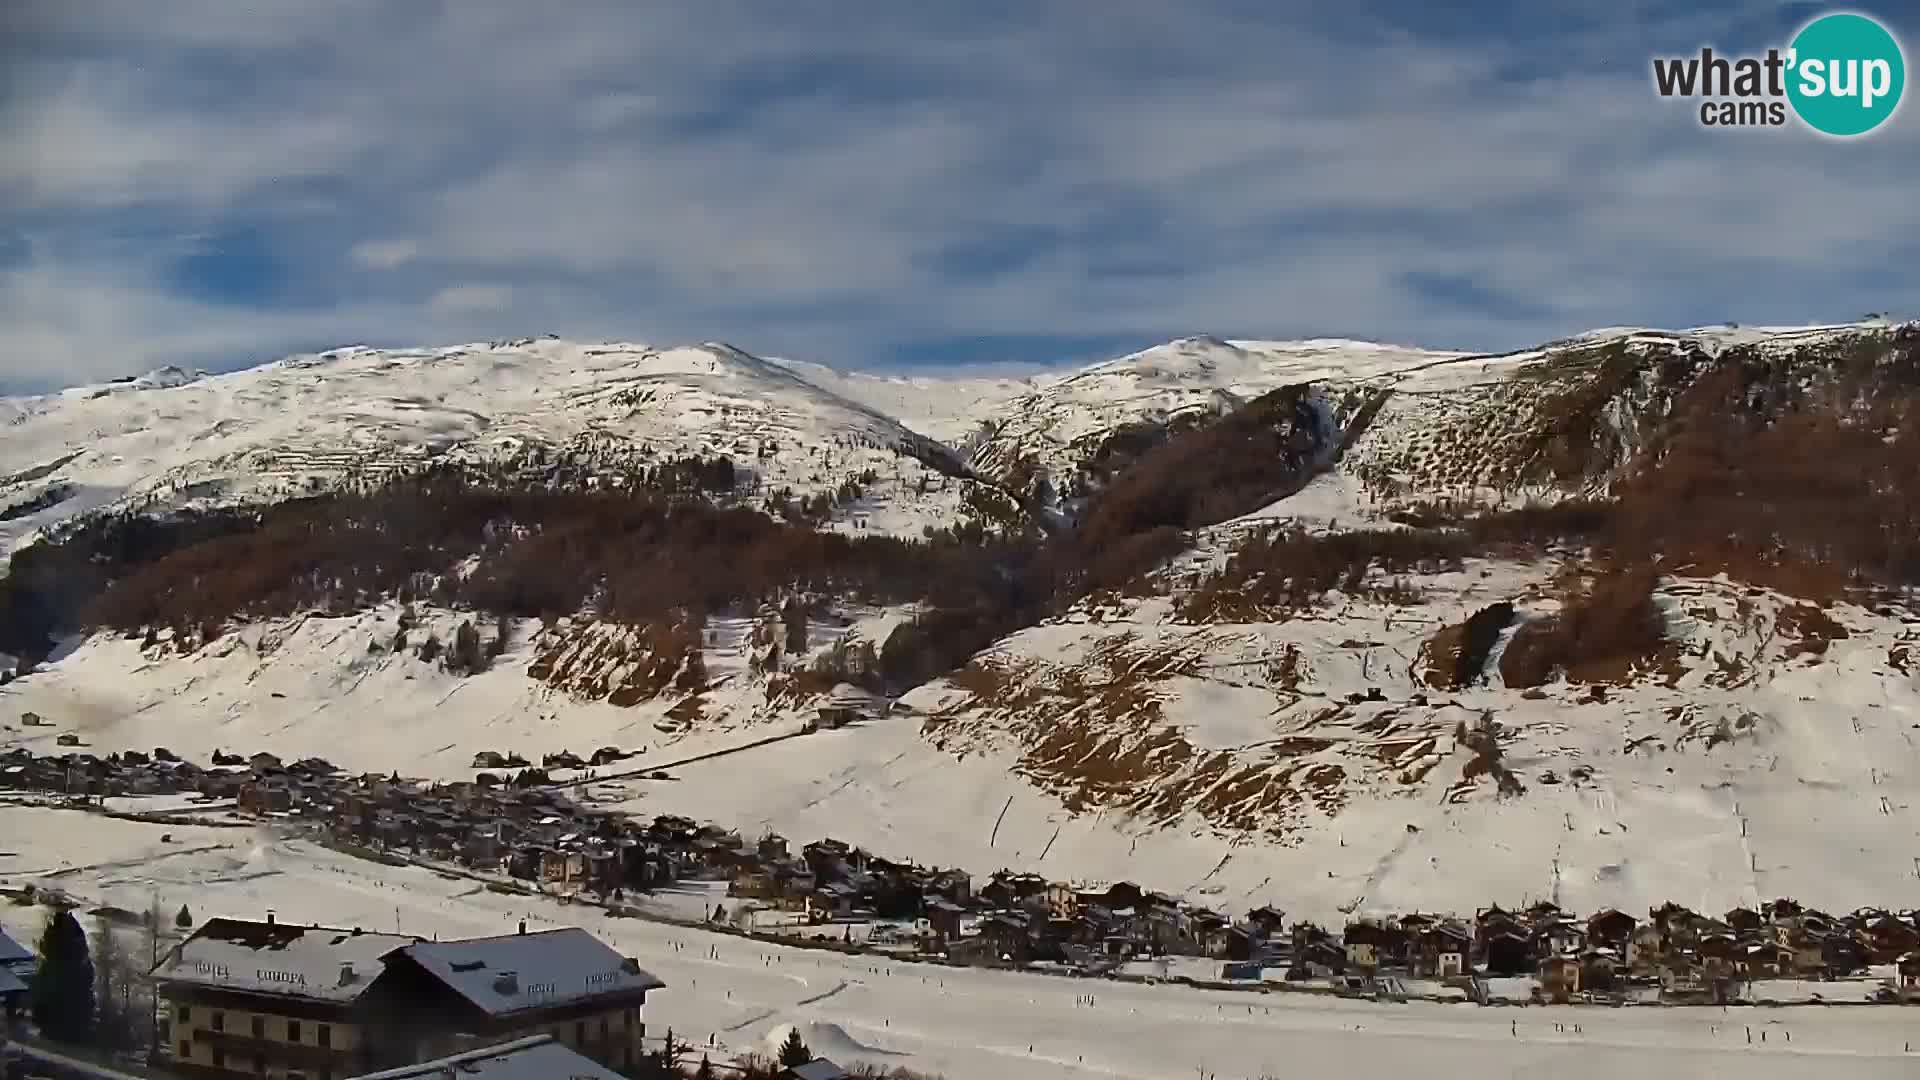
(291, 1002)
(523, 830)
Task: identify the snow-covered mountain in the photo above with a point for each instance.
(359, 415)
(1338, 725)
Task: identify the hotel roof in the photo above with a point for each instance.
(516, 972)
(312, 962)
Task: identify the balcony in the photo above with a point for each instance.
(242, 1048)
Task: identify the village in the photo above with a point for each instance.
(516, 827)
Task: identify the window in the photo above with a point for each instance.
(259, 1027)
(186, 1050)
(186, 1013)
(293, 1031)
(219, 1056)
(580, 1032)
(260, 1064)
(219, 1021)
(603, 1027)
(323, 1035)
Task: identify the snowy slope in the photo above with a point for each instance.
(947, 408)
(1058, 423)
(361, 414)
(1193, 758)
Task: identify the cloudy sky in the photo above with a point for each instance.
(219, 182)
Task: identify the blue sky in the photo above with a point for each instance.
(878, 185)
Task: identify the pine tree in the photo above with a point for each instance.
(63, 985)
(184, 920)
(794, 1051)
(705, 1071)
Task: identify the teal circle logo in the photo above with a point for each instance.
(1846, 74)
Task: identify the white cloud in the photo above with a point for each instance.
(383, 254)
(831, 188)
(462, 299)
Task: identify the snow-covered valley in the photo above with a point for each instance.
(744, 994)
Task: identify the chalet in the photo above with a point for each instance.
(534, 1056)
(1016, 890)
(264, 797)
(834, 900)
(1560, 977)
(1441, 951)
(1506, 953)
(1888, 938)
(943, 920)
(1235, 944)
(1008, 935)
(1907, 974)
(954, 885)
(1387, 944)
(1612, 928)
(1598, 968)
(1268, 920)
(561, 867)
(1315, 953)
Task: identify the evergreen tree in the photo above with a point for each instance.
(63, 985)
(705, 1071)
(184, 920)
(794, 1051)
(466, 657)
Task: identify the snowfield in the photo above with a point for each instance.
(1359, 807)
(349, 415)
(744, 995)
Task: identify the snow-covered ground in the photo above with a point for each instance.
(1809, 796)
(963, 1023)
(350, 414)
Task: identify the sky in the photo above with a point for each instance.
(217, 183)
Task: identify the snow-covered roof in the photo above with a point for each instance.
(537, 1057)
(11, 950)
(818, 1069)
(319, 963)
(509, 974)
(849, 696)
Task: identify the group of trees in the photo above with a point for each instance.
(92, 989)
